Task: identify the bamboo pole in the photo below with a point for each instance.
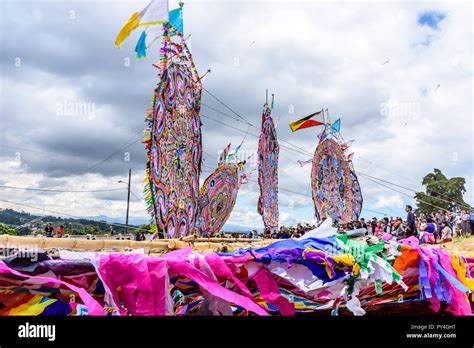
(7, 241)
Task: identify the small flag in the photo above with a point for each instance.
(349, 156)
(303, 163)
(306, 122)
(322, 135)
(140, 48)
(156, 12)
(224, 154)
(346, 145)
(176, 19)
(336, 126)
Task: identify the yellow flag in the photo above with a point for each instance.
(156, 12)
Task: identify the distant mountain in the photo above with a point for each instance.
(16, 218)
(239, 228)
(93, 225)
(120, 220)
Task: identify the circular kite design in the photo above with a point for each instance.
(357, 196)
(175, 152)
(268, 151)
(217, 198)
(331, 181)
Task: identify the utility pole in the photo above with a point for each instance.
(128, 200)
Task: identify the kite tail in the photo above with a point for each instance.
(147, 191)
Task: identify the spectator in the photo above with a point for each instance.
(426, 233)
(59, 231)
(48, 230)
(386, 228)
(398, 231)
(111, 230)
(439, 219)
(471, 219)
(446, 233)
(410, 229)
(465, 223)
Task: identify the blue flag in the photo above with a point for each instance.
(176, 19)
(140, 48)
(336, 126)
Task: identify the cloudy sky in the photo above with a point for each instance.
(398, 74)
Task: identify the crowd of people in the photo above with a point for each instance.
(437, 227)
(289, 232)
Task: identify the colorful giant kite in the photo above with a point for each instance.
(356, 194)
(268, 150)
(173, 142)
(331, 181)
(217, 198)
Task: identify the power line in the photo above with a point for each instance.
(249, 123)
(243, 131)
(403, 193)
(303, 151)
(123, 147)
(49, 190)
(409, 189)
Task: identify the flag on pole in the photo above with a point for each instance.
(306, 122)
(336, 126)
(176, 19)
(156, 12)
(140, 48)
(346, 145)
(223, 156)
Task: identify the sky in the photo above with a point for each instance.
(398, 74)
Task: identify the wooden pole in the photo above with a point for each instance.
(128, 200)
(7, 241)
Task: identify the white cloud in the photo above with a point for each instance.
(336, 61)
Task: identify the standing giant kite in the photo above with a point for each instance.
(332, 181)
(268, 150)
(217, 198)
(173, 142)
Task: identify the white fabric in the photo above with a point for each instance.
(357, 232)
(323, 231)
(155, 11)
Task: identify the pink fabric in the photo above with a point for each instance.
(386, 236)
(158, 270)
(93, 307)
(271, 293)
(130, 272)
(220, 268)
(214, 288)
(412, 241)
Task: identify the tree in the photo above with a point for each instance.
(143, 229)
(441, 193)
(5, 229)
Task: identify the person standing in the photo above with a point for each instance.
(465, 223)
(440, 218)
(410, 229)
(111, 230)
(471, 219)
